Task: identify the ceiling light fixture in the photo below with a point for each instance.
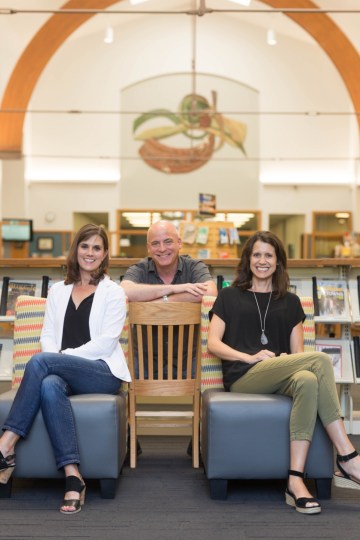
(245, 3)
(271, 37)
(136, 2)
(109, 35)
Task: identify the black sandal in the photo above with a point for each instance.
(345, 481)
(300, 504)
(7, 466)
(73, 483)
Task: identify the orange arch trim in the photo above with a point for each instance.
(59, 27)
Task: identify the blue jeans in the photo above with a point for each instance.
(49, 380)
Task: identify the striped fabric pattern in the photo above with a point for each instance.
(211, 372)
(309, 323)
(29, 318)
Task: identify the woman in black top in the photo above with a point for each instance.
(256, 330)
(80, 354)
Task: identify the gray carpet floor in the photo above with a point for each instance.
(165, 499)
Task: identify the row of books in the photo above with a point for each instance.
(12, 289)
(193, 234)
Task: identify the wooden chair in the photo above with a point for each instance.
(162, 342)
(246, 436)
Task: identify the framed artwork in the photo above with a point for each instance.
(45, 243)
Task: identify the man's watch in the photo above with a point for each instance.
(165, 298)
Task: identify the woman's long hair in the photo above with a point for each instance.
(280, 278)
(72, 265)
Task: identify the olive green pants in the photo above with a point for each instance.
(308, 378)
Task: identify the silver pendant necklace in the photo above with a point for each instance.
(264, 340)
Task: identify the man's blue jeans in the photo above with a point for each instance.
(48, 380)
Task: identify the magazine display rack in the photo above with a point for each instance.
(209, 239)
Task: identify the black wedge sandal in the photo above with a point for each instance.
(73, 483)
(300, 503)
(7, 466)
(345, 480)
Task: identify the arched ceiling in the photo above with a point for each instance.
(59, 27)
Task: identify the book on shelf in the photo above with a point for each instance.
(4, 294)
(335, 353)
(356, 341)
(202, 235)
(331, 298)
(189, 233)
(15, 289)
(0, 350)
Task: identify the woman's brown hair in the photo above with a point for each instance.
(280, 278)
(72, 265)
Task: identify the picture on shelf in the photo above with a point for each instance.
(15, 289)
(331, 298)
(45, 243)
(335, 353)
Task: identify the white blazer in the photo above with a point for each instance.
(107, 317)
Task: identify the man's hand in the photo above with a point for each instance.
(197, 289)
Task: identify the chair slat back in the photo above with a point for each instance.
(163, 340)
(211, 369)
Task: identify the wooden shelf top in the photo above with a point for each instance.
(119, 262)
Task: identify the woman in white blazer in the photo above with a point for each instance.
(80, 354)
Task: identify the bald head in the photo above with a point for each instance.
(162, 227)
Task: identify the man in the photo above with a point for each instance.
(166, 275)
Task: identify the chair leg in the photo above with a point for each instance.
(108, 488)
(5, 489)
(323, 488)
(218, 489)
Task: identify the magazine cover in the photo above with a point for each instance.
(331, 297)
(202, 235)
(234, 236)
(335, 353)
(223, 236)
(189, 233)
(204, 253)
(15, 289)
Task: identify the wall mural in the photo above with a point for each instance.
(199, 122)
